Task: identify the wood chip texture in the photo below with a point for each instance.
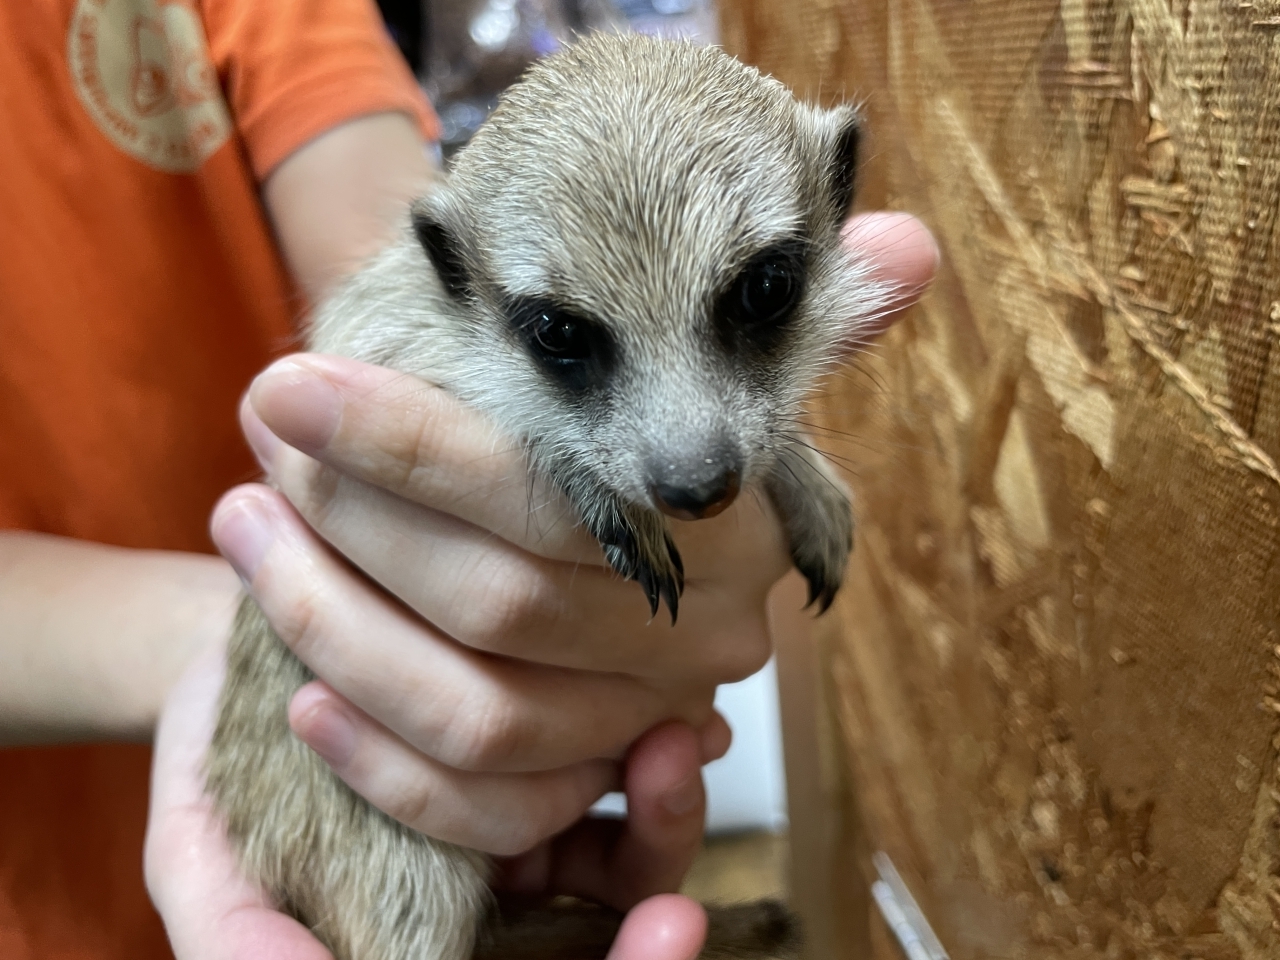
(1056, 658)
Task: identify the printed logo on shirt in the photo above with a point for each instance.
(142, 70)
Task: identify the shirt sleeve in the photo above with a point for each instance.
(293, 69)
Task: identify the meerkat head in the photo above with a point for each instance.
(643, 245)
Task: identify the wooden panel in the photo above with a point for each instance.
(829, 893)
(1053, 671)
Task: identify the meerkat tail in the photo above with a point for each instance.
(574, 930)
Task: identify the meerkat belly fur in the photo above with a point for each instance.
(636, 268)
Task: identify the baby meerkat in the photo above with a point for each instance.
(635, 267)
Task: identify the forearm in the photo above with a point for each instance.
(342, 197)
(92, 637)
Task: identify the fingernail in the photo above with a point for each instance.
(684, 797)
(323, 726)
(297, 404)
(243, 533)
(264, 444)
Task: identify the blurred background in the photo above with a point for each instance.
(469, 51)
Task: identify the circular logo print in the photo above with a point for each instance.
(142, 70)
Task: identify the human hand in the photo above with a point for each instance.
(212, 912)
(484, 691)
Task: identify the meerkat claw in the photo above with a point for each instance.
(663, 587)
(822, 590)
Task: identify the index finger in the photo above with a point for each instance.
(417, 441)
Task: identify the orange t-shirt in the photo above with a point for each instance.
(139, 291)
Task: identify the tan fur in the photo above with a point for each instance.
(629, 178)
(370, 888)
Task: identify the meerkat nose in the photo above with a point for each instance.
(697, 498)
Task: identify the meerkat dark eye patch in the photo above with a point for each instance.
(577, 352)
(761, 299)
(442, 248)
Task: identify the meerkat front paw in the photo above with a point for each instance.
(637, 545)
(816, 513)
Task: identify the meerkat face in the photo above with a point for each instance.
(643, 245)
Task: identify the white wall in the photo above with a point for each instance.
(747, 787)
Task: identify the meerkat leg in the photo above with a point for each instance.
(367, 886)
(815, 510)
(636, 543)
(642, 549)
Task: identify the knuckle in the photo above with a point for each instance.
(297, 618)
(513, 603)
(418, 450)
(741, 651)
(484, 735)
(413, 805)
(315, 492)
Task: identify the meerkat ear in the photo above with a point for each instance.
(844, 157)
(430, 217)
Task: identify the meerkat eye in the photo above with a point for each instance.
(760, 300)
(560, 336)
(575, 351)
(768, 291)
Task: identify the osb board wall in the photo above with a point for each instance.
(1055, 662)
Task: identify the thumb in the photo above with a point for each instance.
(210, 910)
(901, 253)
(621, 863)
(666, 810)
(665, 927)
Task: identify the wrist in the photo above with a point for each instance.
(92, 636)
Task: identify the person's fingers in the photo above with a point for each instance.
(665, 927)
(715, 737)
(467, 710)
(532, 872)
(493, 596)
(501, 814)
(901, 253)
(666, 811)
(622, 862)
(417, 441)
(210, 911)
(414, 439)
